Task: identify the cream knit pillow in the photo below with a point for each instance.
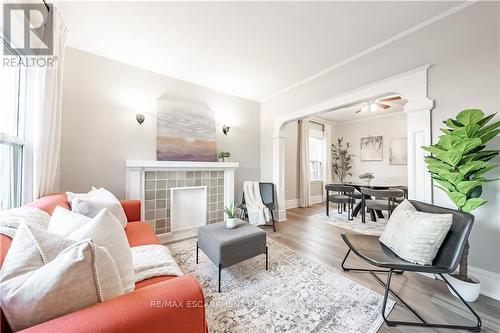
(415, 236)
(90, 204)
(45, 276)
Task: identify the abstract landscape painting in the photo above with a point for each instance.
(185, 131)
(371, 148)
(397, 151)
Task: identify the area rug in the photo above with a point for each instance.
(340, 220)
(296, 294)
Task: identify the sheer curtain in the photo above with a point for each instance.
(45, 100)
(328, 154)
(304, 179)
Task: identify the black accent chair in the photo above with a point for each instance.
(383, 200)
(404, 189)
(344, 196)
(267, 195)
(371, 250)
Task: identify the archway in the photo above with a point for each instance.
(413, 86)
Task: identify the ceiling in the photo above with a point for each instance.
(247, 49)
(348, 113)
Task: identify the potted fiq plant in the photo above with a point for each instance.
(341, 159)
(458, 165)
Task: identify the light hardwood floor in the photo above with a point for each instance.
(321, 241)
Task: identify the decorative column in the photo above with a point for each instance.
(279, 172)
(418, 122)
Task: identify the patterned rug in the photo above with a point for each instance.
(296, 294)
(340, 220)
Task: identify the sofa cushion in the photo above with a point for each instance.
(415, 236)
(105, 230)
(50, 202)
(140, 233)
(45, 276)
(63, 221)
(92, 203)
(11, 219)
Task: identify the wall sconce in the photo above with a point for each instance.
(225, 129)
(140, 118)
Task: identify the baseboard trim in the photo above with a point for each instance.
(316, 199)
(294, 203)
(489, 282)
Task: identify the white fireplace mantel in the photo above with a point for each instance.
(136, 169)
(181, 165)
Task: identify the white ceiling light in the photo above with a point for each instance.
(373, 107)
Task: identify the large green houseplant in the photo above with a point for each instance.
(459, 162)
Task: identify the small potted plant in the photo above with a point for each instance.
(367, 177)
(223, 155)
(231, 216)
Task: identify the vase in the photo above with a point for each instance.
(468, 290)
(231, 223)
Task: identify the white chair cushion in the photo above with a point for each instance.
(11, 219)
(63, 222)
(105, 230)
(90, 204)
(415, 236)
(45, 276)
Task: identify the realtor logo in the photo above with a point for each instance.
(28, 29)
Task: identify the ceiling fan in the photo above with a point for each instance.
(378, 103)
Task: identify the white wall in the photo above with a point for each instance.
(99, 130)
(464, 52)
(389, 127)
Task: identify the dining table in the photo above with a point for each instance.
(358, 186)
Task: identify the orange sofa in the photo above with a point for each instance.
(159, 304)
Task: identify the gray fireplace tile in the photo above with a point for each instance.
(213, 174)
(150, 185)
(220, 181)
(220, 174)
(161, 184)
(190, 182)
(190, 174)
(181, 174)
(220, 197)
(160, 223)
(197, 174)
(212, 215)
(204, 181)
(161, 203)
(149, 195)
(220, 205)
(150, 214)
(213, 189)
(181, 182)
(171, 183)
(161, 175)
(213, 181)
(150, 175)
(161, 194)
(205, 174)
(149, 205)
(161, 213)
(220, 189)
(212, 207)
(212, 198)
(172, 175)
(197, 182)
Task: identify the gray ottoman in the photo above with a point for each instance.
(226, 247)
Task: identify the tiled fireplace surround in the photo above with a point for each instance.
(152, 183)
(157, 194)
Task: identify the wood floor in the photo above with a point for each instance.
(322, 242)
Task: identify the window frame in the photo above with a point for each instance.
(321, 162)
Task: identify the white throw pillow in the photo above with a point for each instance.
(93, 202)
(11, 219)
(71, 195)
(415, 236)
(45, 276)
(63, 221)
(105, 230)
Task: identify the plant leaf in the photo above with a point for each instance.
(490, 127)
(483, 121)
(466, 186)
(443, 182)
(472, 166)
(489, 135)
(472, 204)
(458, 198)
(470, 116)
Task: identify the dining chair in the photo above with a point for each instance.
(267, 195)
(383, 200)
(372, 251)
(344, 196)
(404, 189)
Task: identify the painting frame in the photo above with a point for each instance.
(372, 148)
(398, 151)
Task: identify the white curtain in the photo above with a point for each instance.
(328, 154)
(46, 97)
(304, 179)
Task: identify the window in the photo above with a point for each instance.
(11, 137)
(316, 151)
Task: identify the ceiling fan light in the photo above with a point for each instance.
(365, 108)
(373, 107)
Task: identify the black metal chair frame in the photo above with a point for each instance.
(389, 194)
(341, 190)
(270, 205)
(436, 269)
